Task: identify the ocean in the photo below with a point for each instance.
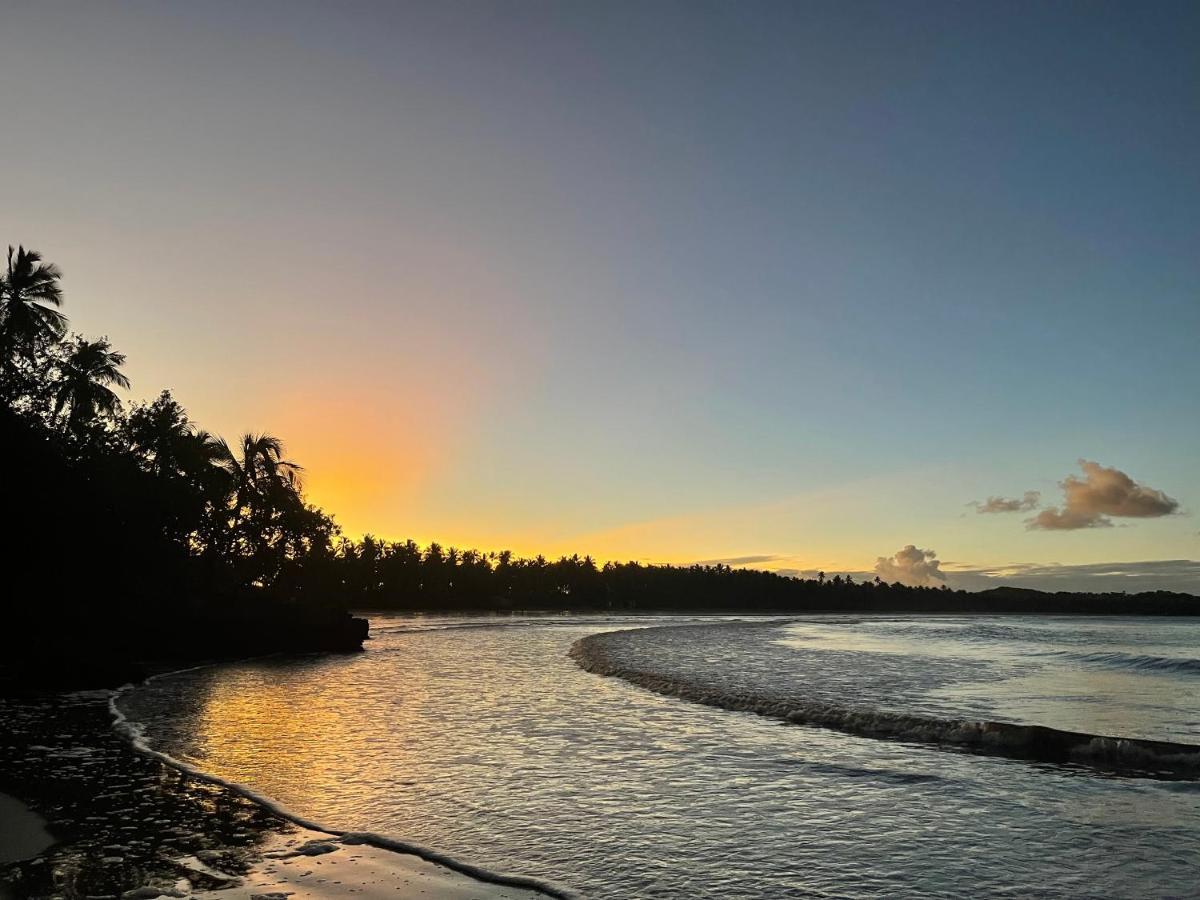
(830, 756)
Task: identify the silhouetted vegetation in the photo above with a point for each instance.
(136, 529)
(132, 532)
(402, 576)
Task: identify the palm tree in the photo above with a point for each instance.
(29, 293)
(259, 467)
(263, 505)
(201, 452)
(85, 376)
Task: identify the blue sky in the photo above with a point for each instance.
(646, 280)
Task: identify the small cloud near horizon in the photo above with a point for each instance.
(911, 566)
(1101, 493)
(1028, 502)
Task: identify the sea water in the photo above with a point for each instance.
(486, 740)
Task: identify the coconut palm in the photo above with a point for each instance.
(86, 375)
(200, 452)
(29, 295)
(264, 511)
(258, 469)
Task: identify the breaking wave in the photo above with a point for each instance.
(1161, 759)
(1175, 665)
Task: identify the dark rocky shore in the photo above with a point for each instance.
(40, 653)
(122, 820)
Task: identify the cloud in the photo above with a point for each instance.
(1003, 504)
(1102, 492)
(912, 566)
(739, 560)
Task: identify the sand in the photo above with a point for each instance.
(23, 833)
(310, 864)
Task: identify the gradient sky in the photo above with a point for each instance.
(645, 280)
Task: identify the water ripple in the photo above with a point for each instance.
(491, 745)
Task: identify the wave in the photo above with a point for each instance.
(1176, 665)
(1159, 759)
(135, 733)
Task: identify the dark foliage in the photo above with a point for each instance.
(399, 576)
(133, 534)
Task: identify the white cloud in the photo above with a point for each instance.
(1088, 502)
(912, 566)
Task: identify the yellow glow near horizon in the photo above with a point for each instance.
(536, 287)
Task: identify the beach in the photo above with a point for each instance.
(312, 864)
(85, 815)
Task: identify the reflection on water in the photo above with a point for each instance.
(490, 744)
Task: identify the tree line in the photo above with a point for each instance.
(137, 508)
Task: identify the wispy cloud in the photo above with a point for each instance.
(1004, 504)
(1101, 493)
(1147, 575)
(740, 560)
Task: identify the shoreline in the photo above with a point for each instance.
(315, 864)
(123, 821)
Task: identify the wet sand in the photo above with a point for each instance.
(23, 832)
(310, 864)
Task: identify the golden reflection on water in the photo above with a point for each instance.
(254, 722)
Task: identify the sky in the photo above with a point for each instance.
(793, 283)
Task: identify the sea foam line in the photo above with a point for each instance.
(135, 734)
(1161, 759)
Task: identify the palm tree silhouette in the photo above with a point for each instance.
(29, 293)
(263, 495)
(200, 452)
(86, 373)
(258, 470)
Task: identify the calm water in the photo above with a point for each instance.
(490, 744)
